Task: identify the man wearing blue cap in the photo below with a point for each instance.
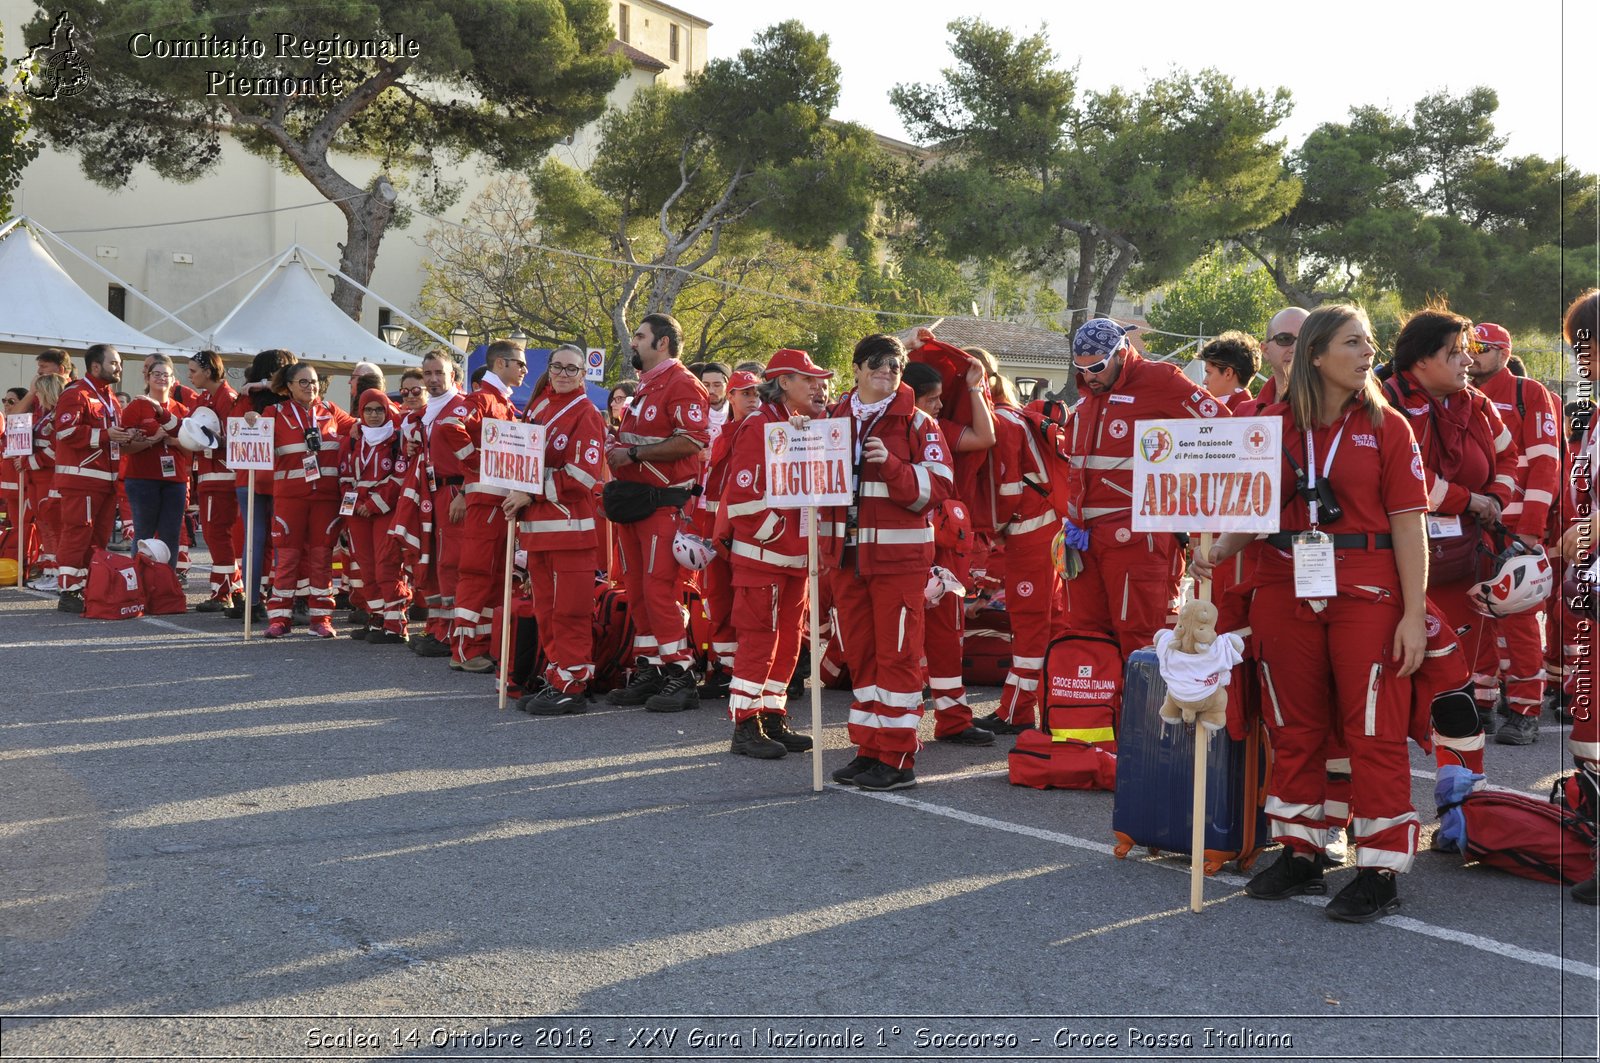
(1130, 580)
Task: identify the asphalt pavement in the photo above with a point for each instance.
(308, 849)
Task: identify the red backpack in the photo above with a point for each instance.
(1076, 743)
(113, 591)
(163, 592)
(1528, 837)
(613, 638)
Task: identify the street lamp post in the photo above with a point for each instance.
(459, 336)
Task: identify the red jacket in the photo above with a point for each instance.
(1255, 406)
(670, 402)
(891, 532)
(1533, 416)
(146, 416)
(1100, 430)
(764, 539)
(375, 472)
(1466, 447)
(84, 451)
(704, 517)
(1028, 482)
(448, 441)
(574, 445)
(41, 467)
(291, 422)
(212, 475)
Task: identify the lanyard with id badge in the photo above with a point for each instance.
(313, 439)
(1314, 575)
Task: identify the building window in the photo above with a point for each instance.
(672, 41)
(117, 301)
(622, 23)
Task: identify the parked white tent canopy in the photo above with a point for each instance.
(42, 306)
(289, 308)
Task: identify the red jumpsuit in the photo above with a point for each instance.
(1533, 417)
(670, 402)
(1466, 449)
(480, 567)
(447, 443)
(880, 569)
(1032, 584)
(1129, 582)
(768, 575)
(1329, 670)
(373, 472)
(43, 500)
(716, 580)
(945, 625)
(305, 507)
(218, 500)
(86, 476)
(558, 531)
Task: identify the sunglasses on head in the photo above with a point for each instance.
(1283, 339)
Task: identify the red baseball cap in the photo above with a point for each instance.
(1491, 335)
(741, 380)
(792, 361)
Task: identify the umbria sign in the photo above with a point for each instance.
(1216, 475)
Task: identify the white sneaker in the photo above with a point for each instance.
(1338, 847)
(46, 583)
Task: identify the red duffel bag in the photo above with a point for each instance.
(113, 591)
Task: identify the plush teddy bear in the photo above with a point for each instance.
(1197, 664)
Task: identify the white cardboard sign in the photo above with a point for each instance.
(1207, 475)
(809, 466)
(250, 447)
(19, 435)
(513, 456)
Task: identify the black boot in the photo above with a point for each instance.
(776, 727)
(677, 692)
(749, 740)
(715, 684)
(645, 682)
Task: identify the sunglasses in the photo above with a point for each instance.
(516, 362)
(565, 370)
(885, 361)
(1479, 348)
(11, 400)
(411, 391)
(1283, 339)
(1097, 367)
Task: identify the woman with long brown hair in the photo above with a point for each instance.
(1342, 590)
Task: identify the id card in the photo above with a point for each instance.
(347, 504)
(1442, 527)
(169, 467)
(116, 451)
(312, 469)
(433, 485)
(1313, 566)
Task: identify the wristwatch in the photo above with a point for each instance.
(633, 455)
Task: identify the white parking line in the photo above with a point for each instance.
(1415, 926)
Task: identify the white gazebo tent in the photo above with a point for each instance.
(289, 309)
(42, 306)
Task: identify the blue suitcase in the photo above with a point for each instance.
(1155, 776)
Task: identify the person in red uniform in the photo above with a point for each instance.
(1342, 589)
(1577, 547)
(157, 476)
(945, 619)
(1021, 507)
(1277, 353)
(557, 529)
(767, 561)
(880, 552)
(716, 585)
(40, 470)
(257, 397)
(1231, 361)
(659, 444)
(1533, 416)
(371, 470)
(214, 484)
(480, 572)
(305, 500)
(1471, 465)
(89, 442)
(1129, 582)
(443, 436)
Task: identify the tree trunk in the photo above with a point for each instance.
(1111, 281)
(1083, 283)
(366, 219)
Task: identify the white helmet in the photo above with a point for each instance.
(692, 551)
(1522, 580)
(941, 581)
(206, 417)
(155, 550)
(193, 435)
